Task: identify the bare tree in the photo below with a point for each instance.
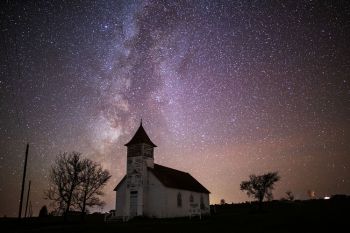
(260, 187)
(75, 183)
(65, 176)
(93, 179)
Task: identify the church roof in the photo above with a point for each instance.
(120, 182)
(177, 179)
(140, 137)
(172, 178)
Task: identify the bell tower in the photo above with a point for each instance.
(139, 157)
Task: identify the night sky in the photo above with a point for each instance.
(225, 90)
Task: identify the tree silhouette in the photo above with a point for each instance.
(93, 179)
(65, 176)
(43, 212)
(260, 187)
(75, 183)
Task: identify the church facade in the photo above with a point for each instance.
(156, 191)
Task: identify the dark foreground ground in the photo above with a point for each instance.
(297, 216)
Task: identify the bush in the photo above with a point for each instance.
(43, 212)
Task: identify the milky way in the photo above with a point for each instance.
(225, 89)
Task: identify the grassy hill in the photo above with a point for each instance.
(276, 216)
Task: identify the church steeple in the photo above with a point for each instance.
(140, 137)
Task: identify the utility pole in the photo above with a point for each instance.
(25, 213)
(30, 209)
(23, 182)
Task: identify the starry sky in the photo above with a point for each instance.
(225, 89)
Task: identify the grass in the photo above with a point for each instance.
(297, 216)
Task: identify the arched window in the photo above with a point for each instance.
(179, 200)
(191, 198)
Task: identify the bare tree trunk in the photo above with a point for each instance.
(261, 199)
(84, 207)
(260, 205)
(68, 204)
(70, 197)
(84, 200)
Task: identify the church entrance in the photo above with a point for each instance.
(133, 203)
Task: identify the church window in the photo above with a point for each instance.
(191, 198)
(179, 200)
(202, 203)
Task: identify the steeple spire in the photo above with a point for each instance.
(140, 137)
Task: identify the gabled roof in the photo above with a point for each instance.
(120, 182)
(140, 137)
(177, 179)
(172, 178)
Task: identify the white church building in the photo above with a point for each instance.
(156, 191)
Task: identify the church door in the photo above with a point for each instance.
(133, 203)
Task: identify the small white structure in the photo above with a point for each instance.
(156, 191)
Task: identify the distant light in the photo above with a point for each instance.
(327, 198)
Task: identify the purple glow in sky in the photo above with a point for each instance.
(225, 89)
